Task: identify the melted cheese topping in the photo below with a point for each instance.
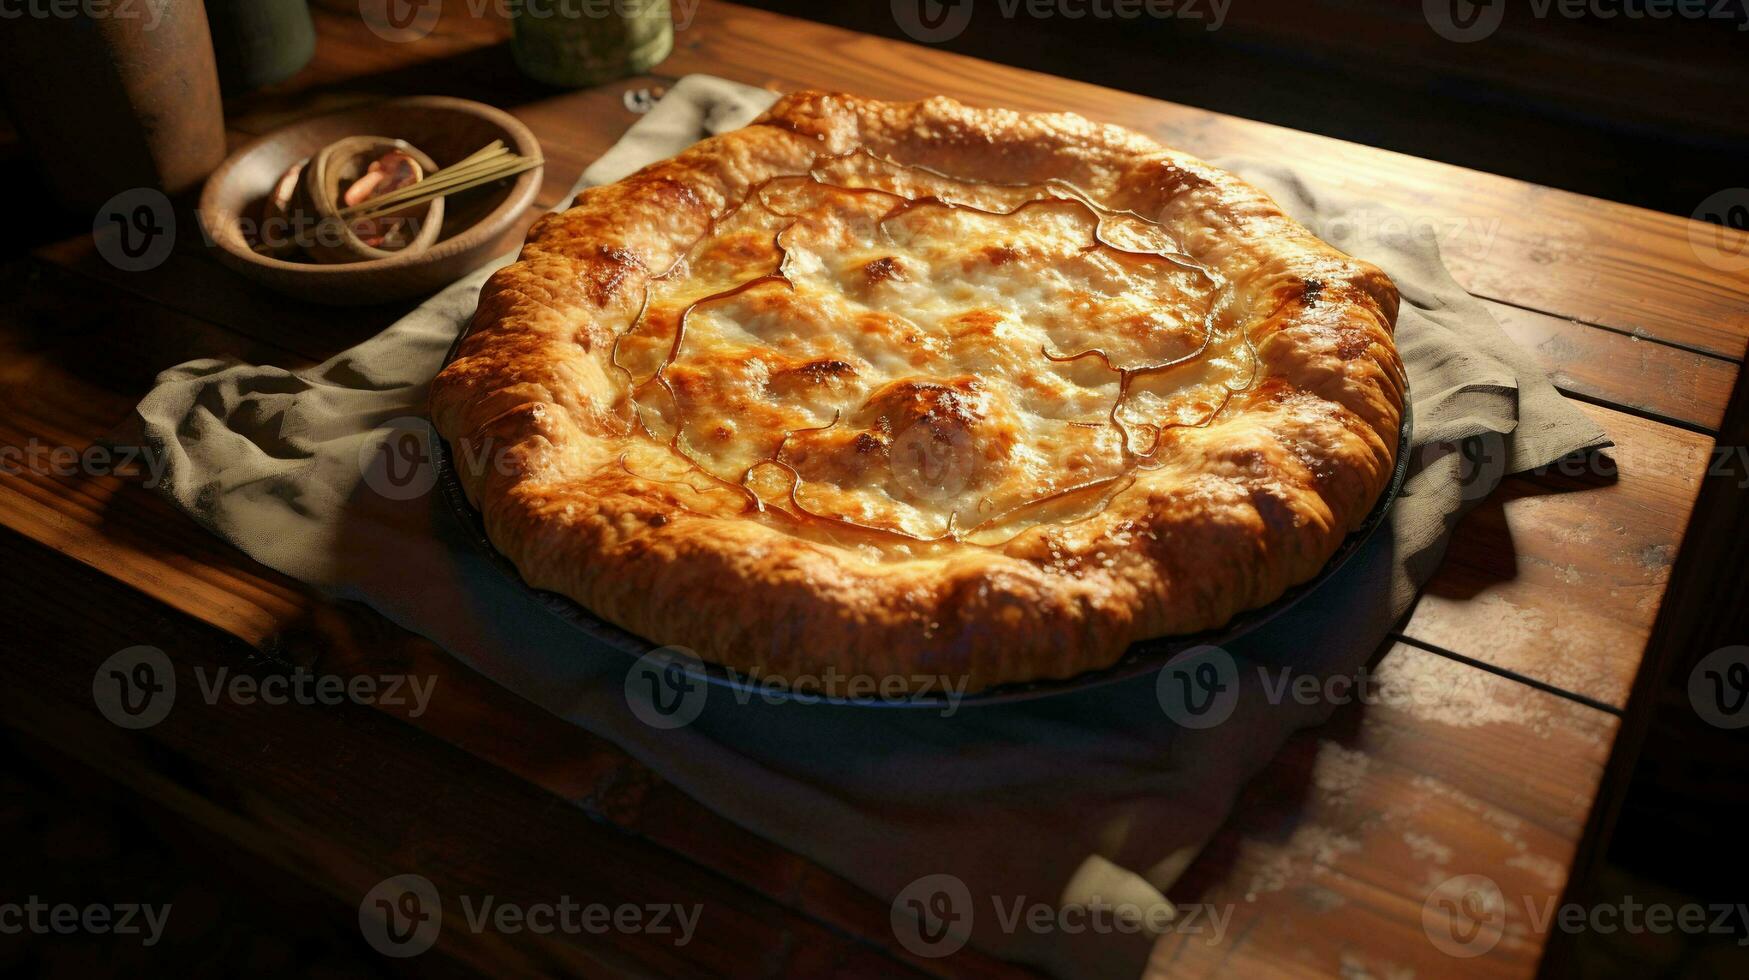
(882, 347)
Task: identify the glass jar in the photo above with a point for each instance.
(573, 43)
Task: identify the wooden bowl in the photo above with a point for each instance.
(474, 222)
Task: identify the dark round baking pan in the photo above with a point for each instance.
(1144, 657)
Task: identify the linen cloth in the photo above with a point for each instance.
(1101, 796)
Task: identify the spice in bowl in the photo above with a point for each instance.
(370, 197)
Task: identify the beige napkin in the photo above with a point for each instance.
(1097, 797)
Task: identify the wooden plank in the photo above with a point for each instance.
(1675, 768)
(1335, 848)
(73, 361)
(1640, 376)
(1558, 577)
(75, 831)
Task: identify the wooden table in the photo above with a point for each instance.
(1506, 684)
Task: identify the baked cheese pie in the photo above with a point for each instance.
(903, 389)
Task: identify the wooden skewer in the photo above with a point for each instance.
(482, 160)
(489, 164)
(438, 180)
(466, 185)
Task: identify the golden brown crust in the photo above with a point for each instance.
(770, 401)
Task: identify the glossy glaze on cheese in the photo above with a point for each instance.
(889, 349)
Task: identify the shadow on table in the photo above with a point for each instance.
(1490, 556)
